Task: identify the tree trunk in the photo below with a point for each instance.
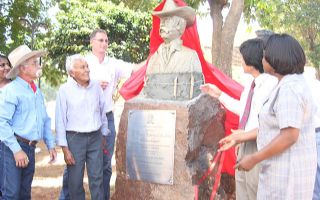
(224, 32)
(317, 73)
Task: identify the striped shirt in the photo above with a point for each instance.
(290, 174)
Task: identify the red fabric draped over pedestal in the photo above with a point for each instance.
(133, 86)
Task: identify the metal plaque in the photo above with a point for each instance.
(150, 145)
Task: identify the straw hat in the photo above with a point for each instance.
(171, 9)
(18, 56)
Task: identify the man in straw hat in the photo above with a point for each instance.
(23, 122)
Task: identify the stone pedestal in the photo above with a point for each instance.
(199, 127)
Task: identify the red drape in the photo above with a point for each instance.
(133, 86)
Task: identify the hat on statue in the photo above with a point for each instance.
(171, 9)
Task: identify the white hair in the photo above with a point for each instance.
(71, 60)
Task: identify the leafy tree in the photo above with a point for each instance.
(299, 18)
(128, 33)
(13, 31)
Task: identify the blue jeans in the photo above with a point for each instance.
(316, 192)
(16, 182)
(107, 168)
(107, 155)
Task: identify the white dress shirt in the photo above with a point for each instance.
(264, 85)
(79, 109)
(109, 70)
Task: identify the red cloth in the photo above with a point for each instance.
(133, 86)
(33, 86)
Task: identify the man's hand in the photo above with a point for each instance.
(21, 159)
(231, 140)
(104, 141)
(211, 89)
(104, 84)
(68, 157)
(246, 163)
(53, 155)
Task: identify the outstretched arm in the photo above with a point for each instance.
(237, 137)
(230, 103)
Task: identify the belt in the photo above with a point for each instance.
(318, 129)
(76, 132)
(32, 143)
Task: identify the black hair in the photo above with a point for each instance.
(5, 57)
(264, 35)
(285, 55)
(252, 53)
(94, 33)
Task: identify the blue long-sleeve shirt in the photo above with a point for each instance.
(23, 112)
(80, 109)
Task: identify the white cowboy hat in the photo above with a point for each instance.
(171, 9)
(18, 56)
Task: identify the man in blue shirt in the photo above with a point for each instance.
(23, 122)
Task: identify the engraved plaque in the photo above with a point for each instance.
(150, 145)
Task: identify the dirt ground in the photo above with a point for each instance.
(47, 180)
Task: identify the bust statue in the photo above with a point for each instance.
(173, 70)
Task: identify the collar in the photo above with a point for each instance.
(24, 83)
(291, 78)
(96, 59)
(75, 83)
(174, 45)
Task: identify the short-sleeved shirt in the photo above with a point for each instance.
(290, 174)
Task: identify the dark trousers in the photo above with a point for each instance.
(16, 182)
(86, 150)
(107, 168)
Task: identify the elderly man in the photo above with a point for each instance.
(79, 124)
(23, 122)
(108, 71)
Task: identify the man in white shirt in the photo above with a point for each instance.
(108, 71)
(262, 85)
(80, 124)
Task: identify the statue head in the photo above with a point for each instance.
(174, 20)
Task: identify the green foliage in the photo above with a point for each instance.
(128, 33)
(299, 18)
(12, 31)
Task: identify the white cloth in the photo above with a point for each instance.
(109, 70)
(265, 84)
(314, 86)
(290, 174)
(80, 109)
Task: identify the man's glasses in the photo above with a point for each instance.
(3, 65)
(102, 40)
(33, 63)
